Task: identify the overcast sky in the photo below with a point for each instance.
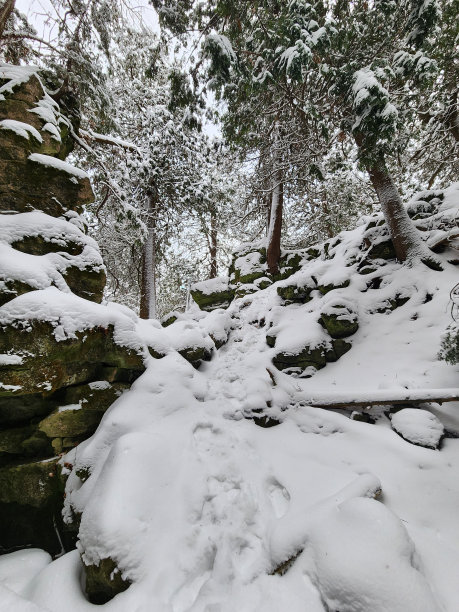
(37, 9)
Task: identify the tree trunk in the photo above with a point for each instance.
(5, 13)
(148, 281)
(328, 226)
(268, 203)
(275, 226)
(405, 237)
(213, 244)
(452, 114)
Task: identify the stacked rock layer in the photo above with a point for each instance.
(63, 357)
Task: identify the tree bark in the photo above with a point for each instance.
(405, 237)
(268, 203)
(326, 210)
(273, 250)
(5, 13)
(148, 279)
(452, 114)
(213, 244)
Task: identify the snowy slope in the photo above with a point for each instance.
(205, 511)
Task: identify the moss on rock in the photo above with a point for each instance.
(47, 188)
(295, 293)
(23, 442)
(13, 288)
(31, 484)
(196, 355)
(31, 499)
(104, 581)
(382, 250)
(19, 410)
(324, 289)
(49, 365)
(339, 326)
(211, 301)
(308, 357)
(88, 283)
(316, 357)
(38, 245)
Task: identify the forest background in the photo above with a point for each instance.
(207, 124)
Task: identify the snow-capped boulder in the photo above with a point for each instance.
(419, 427)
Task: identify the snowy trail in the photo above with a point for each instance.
(206, 511)
(238, 371)
(228, 502)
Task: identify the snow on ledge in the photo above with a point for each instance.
(212, 285)
(69, 314)
(20, 128)
(58, 164)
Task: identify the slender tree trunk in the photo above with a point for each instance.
(213, 244)
(5, 13)
(268, 204)
(328, 226)
(452, 115)
(148, 281)
(273, 250)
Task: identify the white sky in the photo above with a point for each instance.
(37, 9)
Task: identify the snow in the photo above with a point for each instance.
(9, 600)
(52, 129)
(223, 44)
(418, 426)
(37, 223)
(15, 76)
(6, 359)
(20, 128)
(205, 511)
(99, 385)
(18, 568)
(58, 164)
(68, 314)
(212, 285)
(249, 263)
(70, 407)
(48, 110)
(41, 271)
(362, 553)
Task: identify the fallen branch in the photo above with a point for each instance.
(381, 398)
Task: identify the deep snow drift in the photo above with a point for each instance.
(206, 511)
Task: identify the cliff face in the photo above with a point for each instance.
(56, 381)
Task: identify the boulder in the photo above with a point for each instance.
(419, 427)
(31, 497)
(104, 581)
(295, 293)
(311, 357)
(47, 364)
(383, 249)
(324, 289)
(211, 301)
(196, 355)
(211, 294)
(52, 189)
(341, 323)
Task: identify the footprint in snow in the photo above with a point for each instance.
(279, 497)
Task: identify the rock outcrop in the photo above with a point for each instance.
(64, 358)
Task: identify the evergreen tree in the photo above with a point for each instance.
(335, 69)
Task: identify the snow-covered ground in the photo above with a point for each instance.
(206, 511)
